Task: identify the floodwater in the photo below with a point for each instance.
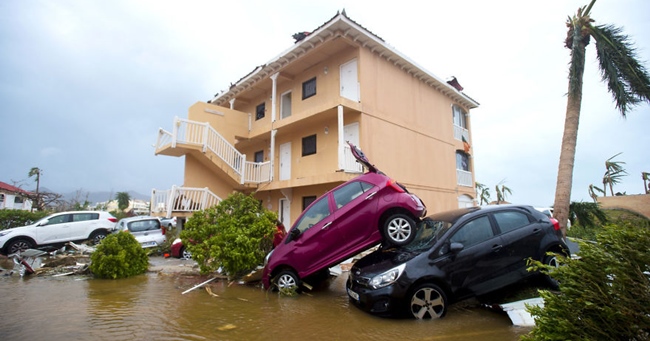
(151, 307)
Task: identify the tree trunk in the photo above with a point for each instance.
(570, 136)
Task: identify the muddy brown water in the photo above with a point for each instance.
(151, 307)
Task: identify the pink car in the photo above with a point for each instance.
(345, 221)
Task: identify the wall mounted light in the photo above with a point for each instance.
(327, 130)
(325, 70)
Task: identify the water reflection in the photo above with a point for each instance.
(151, 307)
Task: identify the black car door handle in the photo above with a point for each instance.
(497, 248)
(536, 231)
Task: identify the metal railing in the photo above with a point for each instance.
(350, 162)
(182, 199)
(202, 134)
(460, 132)
(464, 178)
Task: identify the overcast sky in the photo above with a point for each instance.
(85, 85)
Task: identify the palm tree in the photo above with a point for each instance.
(627, 80)
(501, 192)
(483, 193)
(613, 174)
(592, 192)
(35, 171)
(646, 177)
(123, 199)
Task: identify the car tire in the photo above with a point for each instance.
(287, 280)
(19, 245)
(97, 236)
(399, 229)
(551, 260)
(427, 302)
(184, 254)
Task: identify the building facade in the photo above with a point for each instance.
(14, 198)
(281, 130)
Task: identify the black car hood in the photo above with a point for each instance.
(383, 260)
(361, 157)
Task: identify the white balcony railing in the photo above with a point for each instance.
(460, 132)
(182, 199)
(464, 178)
(203, 135)
(350, 163)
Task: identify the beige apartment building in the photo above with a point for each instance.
(281, 130)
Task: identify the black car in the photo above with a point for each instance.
(455, 255)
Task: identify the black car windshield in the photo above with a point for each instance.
(427, 234)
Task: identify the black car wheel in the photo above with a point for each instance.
(428, 301)
(19, 245)
(399, 229)
(287, 280)
(97, 237)
(185, 254)
(551, 260)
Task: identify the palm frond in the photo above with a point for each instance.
(627, 80)
(586, 213)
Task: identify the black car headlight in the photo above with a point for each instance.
(387, 278)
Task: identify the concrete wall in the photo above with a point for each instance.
(639, 203)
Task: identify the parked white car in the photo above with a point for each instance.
(146, 230)
(169, 223)
(58, 229)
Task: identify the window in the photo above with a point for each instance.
(474, 232)
(259, 111)
(144, 225)
(309, 88)
(349, 192)
(460, 117)
(259, 156)
(285, 105)
(306, 201)
(511, 220)
(60, 219)
(319, 211)
(18, 199)
(309, 145)
(85, 216)
(462, 161)
(2, 198)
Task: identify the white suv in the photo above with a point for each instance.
(58, 229)
(146, 230)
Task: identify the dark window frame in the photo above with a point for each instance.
(307, 148)
(260, 111)
(307, 200)
(309, 88)
(259, 156)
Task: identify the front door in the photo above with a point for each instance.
(285, 213)
(285, 162)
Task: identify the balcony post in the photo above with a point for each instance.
(206, 131)
(274, 92)
(177, 123)
(272, 156)
(341, 138)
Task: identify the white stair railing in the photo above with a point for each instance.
(182, 199)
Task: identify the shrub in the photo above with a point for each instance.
(119, 255)
(234, 235)
(604, 295)
(17, 218)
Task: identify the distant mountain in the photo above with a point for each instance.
(95, 197)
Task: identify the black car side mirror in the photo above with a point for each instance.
(293, 235)
(456, 247)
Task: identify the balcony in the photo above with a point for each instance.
(464, 178)
(192, 135)
(460, 132)
(181, 200)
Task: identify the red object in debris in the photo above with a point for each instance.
(166, 255)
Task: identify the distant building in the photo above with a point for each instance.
(137, 206)
(14, 198)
